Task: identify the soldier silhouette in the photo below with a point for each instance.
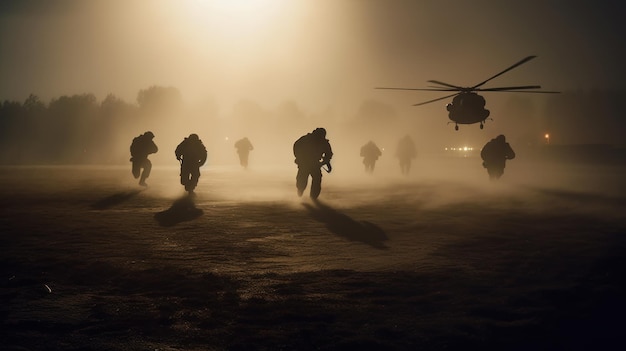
(243, 146)
(494, 155)
(312, 151)
(192, 154)
(405, 152)
(142, 146)
(370, 153)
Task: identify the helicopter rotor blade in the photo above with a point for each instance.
(524, 91)
(436, 88)
(441, 98)
(420, 89)
(523, 87)
(526, 59)
(446, 84)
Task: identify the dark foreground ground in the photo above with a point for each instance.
(89, 261)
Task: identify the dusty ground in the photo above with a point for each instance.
(90, 261)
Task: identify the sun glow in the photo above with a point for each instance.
(232, 6)
(258, 49)
(231, 22)
(236, 12)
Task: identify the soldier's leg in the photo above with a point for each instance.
(302, 179)
(136, 168)
(188, 181)
(196, 176)
(193, 179)
(499, 172)
(493, 173)
(184, 175)
(495, 170)
(316, 183)
(147, 167)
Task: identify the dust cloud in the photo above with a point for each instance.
(273, 71)
(434, 184)
(513, 259)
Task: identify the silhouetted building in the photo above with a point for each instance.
(370, 153)
(312, 151)
(192, 154)
(405, 153)
(494, 155)
(142, 146)
(243, 146)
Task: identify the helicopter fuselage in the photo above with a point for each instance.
(467, 108)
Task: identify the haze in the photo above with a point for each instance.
(439, 258)
(273, 70)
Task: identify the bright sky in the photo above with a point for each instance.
(316, 52)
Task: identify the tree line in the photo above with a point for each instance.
(79, 129)
(74, 129)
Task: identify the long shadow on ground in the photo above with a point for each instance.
(115, 199)
(183, 209)
(344, 226)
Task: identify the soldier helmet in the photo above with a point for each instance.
(321, 132)
(194, 137)
(149, 134)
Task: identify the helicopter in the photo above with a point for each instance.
(467, 107)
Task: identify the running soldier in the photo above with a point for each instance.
(312, 151)
(142, 146)
(243, 146)
(370, 153)
(494, 155)
(192, 155)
